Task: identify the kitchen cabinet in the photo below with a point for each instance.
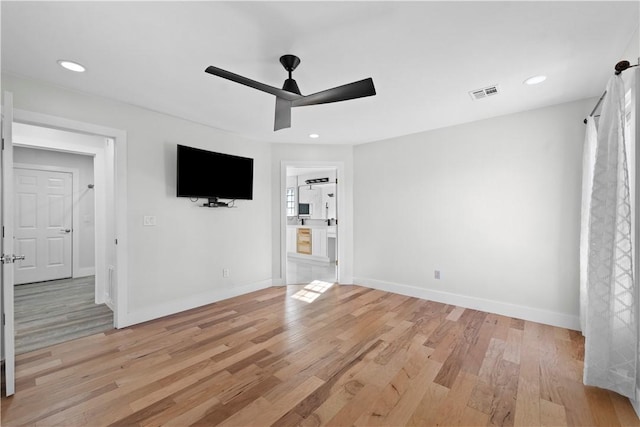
(319, 242)
(303, 241)
(313, 243)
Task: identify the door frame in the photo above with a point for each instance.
(119, 138)
(75, 208)
(341, 255)
(6, 184)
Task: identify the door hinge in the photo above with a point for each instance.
(336, 262)
(116, 241)
(3, 143)
(3, 231)
(4, 319)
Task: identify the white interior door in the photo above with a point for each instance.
(7, 244)
(43, 209)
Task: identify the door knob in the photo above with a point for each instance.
(9, 259)
(66, 230)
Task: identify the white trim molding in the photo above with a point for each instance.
(84, 272)
(192, 301)
(532, 314)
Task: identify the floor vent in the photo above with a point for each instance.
(111, 276)
(484, 92)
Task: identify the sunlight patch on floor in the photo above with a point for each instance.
(312, 291)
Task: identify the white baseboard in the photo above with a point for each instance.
(190, 302)
(84, 272)
(538, 315)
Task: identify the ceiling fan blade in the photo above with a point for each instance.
(353, 90)
(289, 96)
(283, 114)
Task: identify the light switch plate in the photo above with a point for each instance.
(149, 221)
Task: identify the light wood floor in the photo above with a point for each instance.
(289, 356)
(48, 313)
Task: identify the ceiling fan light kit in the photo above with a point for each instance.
(289, 96)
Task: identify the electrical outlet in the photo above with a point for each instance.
(225, 272)
(436, 274)
(149, 221)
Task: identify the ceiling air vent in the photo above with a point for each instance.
(484, 92)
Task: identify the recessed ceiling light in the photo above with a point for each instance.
(314, 135)
(535, 80)
(71, 66)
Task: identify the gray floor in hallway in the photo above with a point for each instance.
(300, 271)
(48, 313)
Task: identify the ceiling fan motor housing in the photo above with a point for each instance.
(290, 85)
(289, 62)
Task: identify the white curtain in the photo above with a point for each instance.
(611, 329)
(588, 164)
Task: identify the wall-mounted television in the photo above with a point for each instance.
(211, 175)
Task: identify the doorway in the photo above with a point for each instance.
(58, 296)
(311, 218)
(111, 236)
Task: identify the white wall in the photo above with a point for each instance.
(494, 205)
(85, 196)
(177, 264)
(308, 154)
(632, 52)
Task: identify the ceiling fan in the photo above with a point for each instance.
(290, 96)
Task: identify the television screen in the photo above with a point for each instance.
(203, 173)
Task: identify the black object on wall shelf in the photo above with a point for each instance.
(213, 202)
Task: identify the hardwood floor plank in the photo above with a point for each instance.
(470, 417)
(427, 411)
(552, 415)
(505, 387)
(401, 397)
(473, 320)
(602, 409)
(512, 346)
(222, 411)
(354, 356)
(451, 409)
(360, 403)
(528, 402)
(269, 411)
(624, 411)
(478, 349)
(182, 415)
(331, 376)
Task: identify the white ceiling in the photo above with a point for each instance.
(424, 58)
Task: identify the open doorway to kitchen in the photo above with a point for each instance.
(311, 211)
